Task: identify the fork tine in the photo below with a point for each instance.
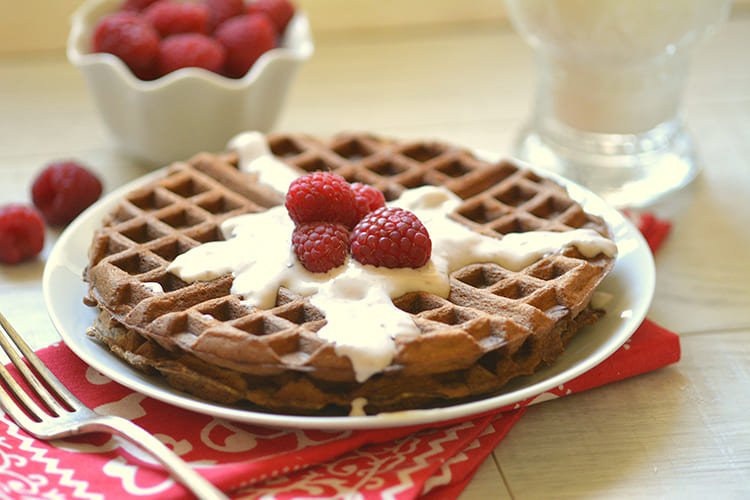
(30, 377)
(12, 408)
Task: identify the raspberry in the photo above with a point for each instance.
(63, 190)
(136, 5)
(321, 197)
(321, 246)
(21, 233)
(129, 37)
(169, 17)
(221, 10)
(391, 237)
(191, 50)
(279, 11)
(368, 199)
(246, 38)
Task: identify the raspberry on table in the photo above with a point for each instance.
(391, 237)
(191, 50)
(246, 38)
(129, 37)
(368, 199)
(321, 246)
(63, 190)
(170, 17)
(221, 10)
(21, 233)
(279, 11)
(321, 197)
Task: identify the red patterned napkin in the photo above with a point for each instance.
(427, 462)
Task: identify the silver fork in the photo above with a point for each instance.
(67, 416)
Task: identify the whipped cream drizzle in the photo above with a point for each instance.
(257, 251)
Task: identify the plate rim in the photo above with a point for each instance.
(150, 385)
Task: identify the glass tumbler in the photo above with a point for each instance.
(611, 75)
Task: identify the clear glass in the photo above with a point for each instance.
(610, 80)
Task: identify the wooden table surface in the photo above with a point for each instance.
(680, 432)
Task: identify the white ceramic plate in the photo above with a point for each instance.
(631, 284)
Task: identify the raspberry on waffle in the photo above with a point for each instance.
(494, 323)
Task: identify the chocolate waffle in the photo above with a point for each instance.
(494, 325)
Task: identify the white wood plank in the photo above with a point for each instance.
(46, 108)
(703, 273)
(680, 432)
(487, 484)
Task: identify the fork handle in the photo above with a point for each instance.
(137, 435)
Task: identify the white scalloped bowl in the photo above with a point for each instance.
(189, 110)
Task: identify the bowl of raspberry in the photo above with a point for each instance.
(172, 78)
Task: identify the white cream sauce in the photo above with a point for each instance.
(356, 299)
(256, 158)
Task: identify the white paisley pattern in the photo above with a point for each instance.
(386, 470)
(19, 477)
